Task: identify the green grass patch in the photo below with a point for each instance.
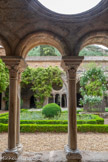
(37, 115)
(31, 117)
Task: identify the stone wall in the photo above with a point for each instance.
(45, 61)
(2, 51)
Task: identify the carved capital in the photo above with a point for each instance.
(16, 65)
(70, 64)
(71, 72)
(13, 72)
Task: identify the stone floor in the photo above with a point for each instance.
(59, 156)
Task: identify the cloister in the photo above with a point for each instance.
(25, 24)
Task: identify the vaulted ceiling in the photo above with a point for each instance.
(26, 23)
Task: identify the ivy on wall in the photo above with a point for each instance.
(41, 80)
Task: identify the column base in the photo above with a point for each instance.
(72, 155)
(8, 155)
(19, 148)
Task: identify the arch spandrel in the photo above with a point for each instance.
(5, 45)
(40, 38)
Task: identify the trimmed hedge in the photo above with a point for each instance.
(4, 120)
(4, 114)
(43, 128)
(97, 120)
(3, 127)
(92, 121)
(44, 122)
(31, 128)
(92, 128)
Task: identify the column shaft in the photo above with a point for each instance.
(54, 98)
(18, 113)
(70, 65)
(60, 100)
(12, 110)
(72, 126)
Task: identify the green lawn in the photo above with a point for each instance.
(37, 115)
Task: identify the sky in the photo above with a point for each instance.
(101, 46)
(69, 6)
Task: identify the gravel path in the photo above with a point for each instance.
(55, 141)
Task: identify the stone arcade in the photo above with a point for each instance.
(25, 24)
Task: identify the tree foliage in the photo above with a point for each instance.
(44, 50)
(93, 85)
(4, 77)
(41, 80)
(93, 50)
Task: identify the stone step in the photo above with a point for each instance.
(59, 156)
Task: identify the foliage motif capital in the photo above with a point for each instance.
(70, 64)
(15, 65)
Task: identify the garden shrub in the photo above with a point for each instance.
(51, 110)
(44, 122)
(4, 114)
(92, 128)
(43, 128)
(41, 81)
(3, 127)
(82, 119)
(57, 128)
(4, 120)
(23, 110)
(92, 121)
(93, 86)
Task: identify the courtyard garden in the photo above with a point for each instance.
(35, 121)
(93, 86)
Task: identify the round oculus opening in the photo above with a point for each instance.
(57, 87)
(69, 6)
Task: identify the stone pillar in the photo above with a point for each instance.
(70, 65)
(53, 98)
(19, 146)
(14, 65)
(3, 103)
(65, 100)
(60, 100)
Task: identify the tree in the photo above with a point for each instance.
(93, 50)
(44, 50)
(93, 86)
(41, 80)
(4, 77)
